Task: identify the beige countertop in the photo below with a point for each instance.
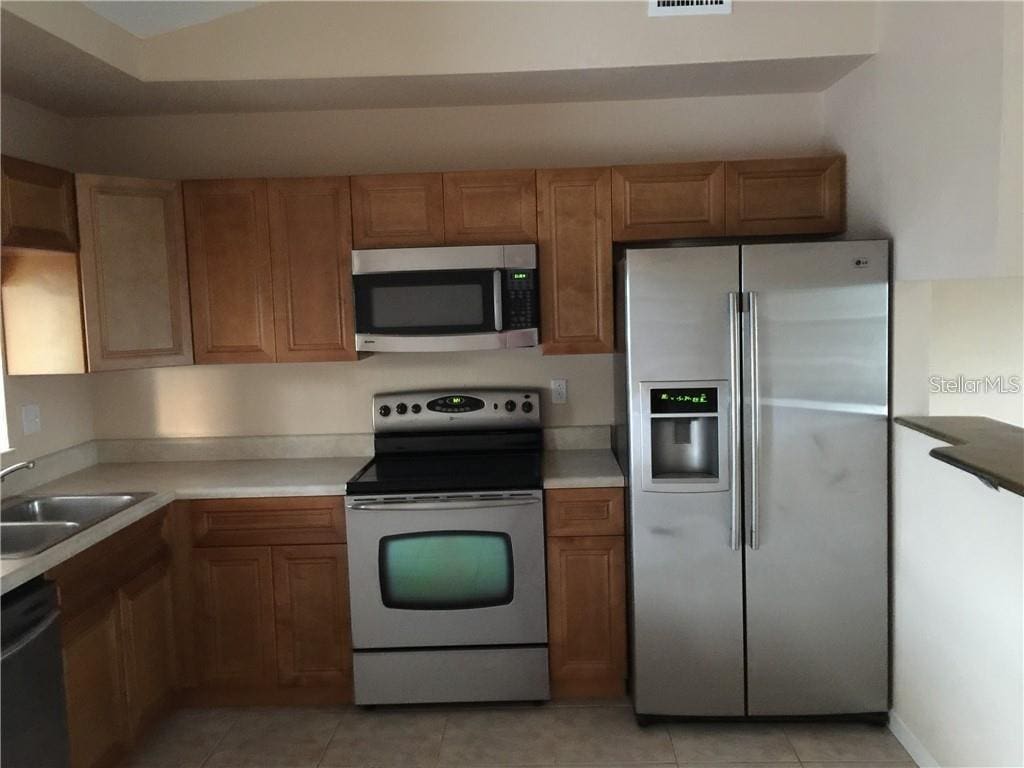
(170, 480)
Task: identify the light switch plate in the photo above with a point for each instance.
(30, 419)
(559, 390)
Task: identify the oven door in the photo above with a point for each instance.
(457, 570)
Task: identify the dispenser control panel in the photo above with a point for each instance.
(685, 400)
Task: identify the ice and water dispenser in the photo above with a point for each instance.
(686, 434)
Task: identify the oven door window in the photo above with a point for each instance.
(427, 303)
(446, 570)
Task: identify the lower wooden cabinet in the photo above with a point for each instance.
(97, 706)
(586, 593)
(234, 592)
(117, 634)
(270, 608)
(147, 623)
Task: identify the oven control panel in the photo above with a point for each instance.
(455, 409)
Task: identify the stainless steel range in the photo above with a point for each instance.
(446, 550)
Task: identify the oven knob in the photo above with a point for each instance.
(416, 408)
(527, 407)
(384, 410)
(510, 405)
(401, 408)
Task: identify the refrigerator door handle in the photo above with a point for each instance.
(755, 424)
(735, 501)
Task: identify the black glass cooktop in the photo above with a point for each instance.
(450, 472)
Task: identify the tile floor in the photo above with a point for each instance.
(551, 735)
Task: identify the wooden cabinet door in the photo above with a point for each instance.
(587, 616)
(134, 273)
(234, 618)
(229, 271)
(654, 202)
(496, 207)
(396, 210)
(38, 206)
(149, 646)
(311, 248)
(314, 645)
(575, 239)
(94, 686)
(799, 196)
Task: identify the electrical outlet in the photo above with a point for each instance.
(30, 420)
(559, 390)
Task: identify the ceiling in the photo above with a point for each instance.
(148, 18)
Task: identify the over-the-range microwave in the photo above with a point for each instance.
(445, 299)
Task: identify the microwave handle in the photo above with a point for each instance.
(497, 300)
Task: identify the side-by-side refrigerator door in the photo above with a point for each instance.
(816, 459)
(685, 514)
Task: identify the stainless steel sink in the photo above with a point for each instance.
(30, 524)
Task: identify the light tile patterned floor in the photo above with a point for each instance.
(473, 737)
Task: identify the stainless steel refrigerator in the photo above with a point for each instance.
(753, 419)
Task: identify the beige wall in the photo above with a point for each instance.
(353, 39)
(328, 398)
(450, 138)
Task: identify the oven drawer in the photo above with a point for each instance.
(268, 521)
(467, 570)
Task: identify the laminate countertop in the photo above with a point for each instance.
(171, 480)
(992, 451)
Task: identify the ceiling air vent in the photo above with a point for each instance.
(687, 7)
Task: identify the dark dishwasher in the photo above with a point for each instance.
(33, 724)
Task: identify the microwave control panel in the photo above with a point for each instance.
(520, 306)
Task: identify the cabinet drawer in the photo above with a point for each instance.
(799, 196)
(584, 512)
(258, 522)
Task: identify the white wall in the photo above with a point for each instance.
(931, 128)
(958, 611)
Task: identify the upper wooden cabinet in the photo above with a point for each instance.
(311, 248)
(800, 196)
(575, 238)
(229, 271)
(396, 210)
(134, 273)
(490, 207)
(38, 206)
(653, 202)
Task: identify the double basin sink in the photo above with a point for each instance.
(30, 524)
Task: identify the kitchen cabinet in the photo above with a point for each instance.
(586, 556)
(134, 273)
(271, 605)
(147, 622)
(311, 252)
(42, 311)
(800, 196)
(38, 206)
(235, 616)
(397, 210)
(672, 200)
(229, 267)
(314, 644)
(97, 707)
(490, 207)
(120, 668)
(575, 252)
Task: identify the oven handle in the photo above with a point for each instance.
(497, 300)
(438, 506)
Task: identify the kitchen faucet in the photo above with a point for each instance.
(15, 467)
